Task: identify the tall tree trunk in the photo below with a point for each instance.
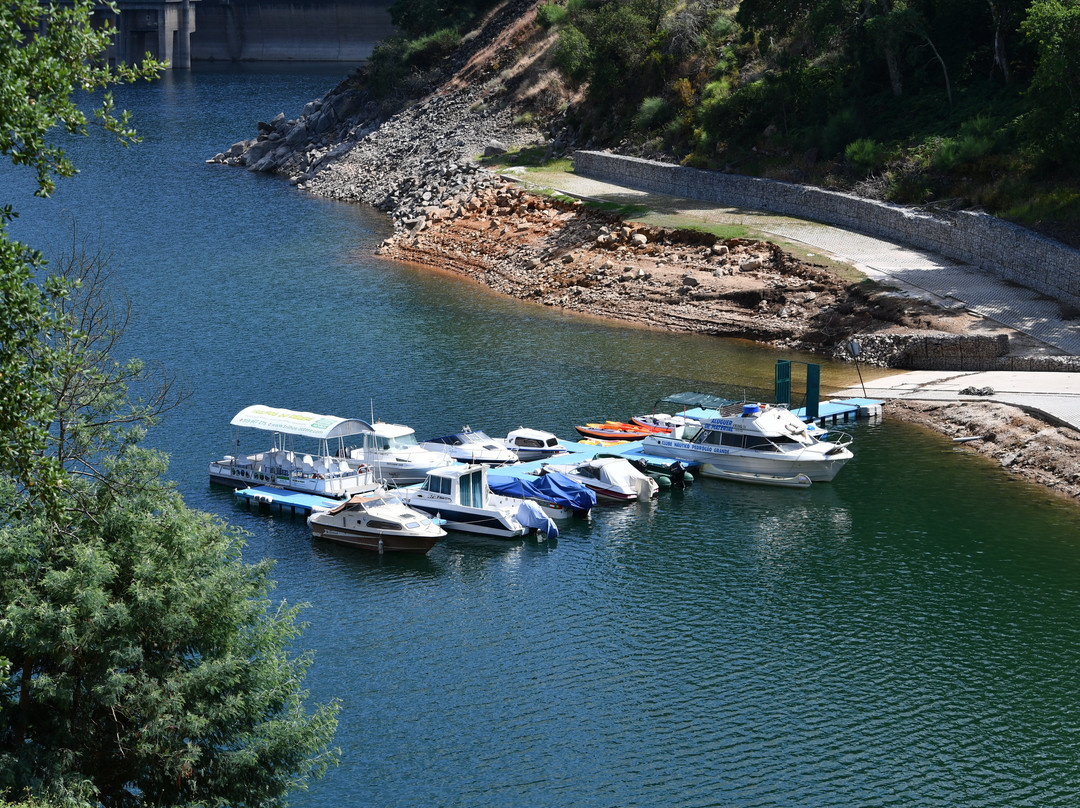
(1000, 61)
(895, 79)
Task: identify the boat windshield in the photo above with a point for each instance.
(403, 442)
(399, 443)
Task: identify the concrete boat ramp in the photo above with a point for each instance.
(1050, 395)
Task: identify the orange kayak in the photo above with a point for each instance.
(613, 430)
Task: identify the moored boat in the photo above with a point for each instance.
(320, 471)
(558, 495)
(394, 454)
(613, 479)
(533, 444)
(615, 430)
(468, 446)
(378, 521)
(754, 439)
(460, 496)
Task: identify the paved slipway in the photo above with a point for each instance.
(1053, 396)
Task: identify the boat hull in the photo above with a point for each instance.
(335, 487)
(819, 466)
(470, 520)
(374, 541)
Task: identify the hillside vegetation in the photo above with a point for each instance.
(958, 103)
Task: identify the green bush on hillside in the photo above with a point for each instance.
(865, 154)
(653, 112)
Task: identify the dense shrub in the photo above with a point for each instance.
(865, 154)
(653, 112)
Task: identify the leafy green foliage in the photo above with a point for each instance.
(149, 667)
(141, 661)
(38, 70)
(654, 111)
(550, 15)
(865, 154)
(417, 18)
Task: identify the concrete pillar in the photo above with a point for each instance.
(182, 51)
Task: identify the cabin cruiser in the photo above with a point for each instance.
(755, 439)
(394, 454)
(468, 446)
(533, 444)
(321, 471)
(613, 479)
(377, 521)
(460, 496)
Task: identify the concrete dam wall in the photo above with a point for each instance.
(288, 30)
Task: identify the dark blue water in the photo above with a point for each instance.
(906, 635)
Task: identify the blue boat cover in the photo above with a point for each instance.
(553, 487)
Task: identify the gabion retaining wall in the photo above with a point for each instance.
(1006, 250)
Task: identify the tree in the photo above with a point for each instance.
(46, 53)
(149, 666)
(141, 662)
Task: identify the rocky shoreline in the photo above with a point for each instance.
(453, 214)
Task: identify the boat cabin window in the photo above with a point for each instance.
(437, 485)
(379, 524)
(471, 487)
(530, 443)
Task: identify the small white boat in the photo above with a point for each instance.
(378, 521)
(533, 444)
(321, 471)
(613, 479)
(468, 446)
(460, 496)
(792, 481)
(394, 454)
(756, 439)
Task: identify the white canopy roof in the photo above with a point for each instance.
(293, 422)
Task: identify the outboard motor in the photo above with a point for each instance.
(677, 474)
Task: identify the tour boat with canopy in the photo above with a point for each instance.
(321, 471)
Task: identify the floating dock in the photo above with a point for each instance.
(847, 409)
(294, 503)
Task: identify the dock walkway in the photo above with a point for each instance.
(1053, 396)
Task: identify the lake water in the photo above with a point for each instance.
(906, 635)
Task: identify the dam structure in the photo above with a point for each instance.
(184, 31)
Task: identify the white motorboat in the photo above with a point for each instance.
(321, 471)
(394, 454)
(377, 521)
(756, 439)
(460, 496)
(533, 444)
(468, 446)
(613, 479)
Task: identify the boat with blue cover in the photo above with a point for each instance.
(559, 495)
(460, 496)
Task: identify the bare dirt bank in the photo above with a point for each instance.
(1024, 445)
